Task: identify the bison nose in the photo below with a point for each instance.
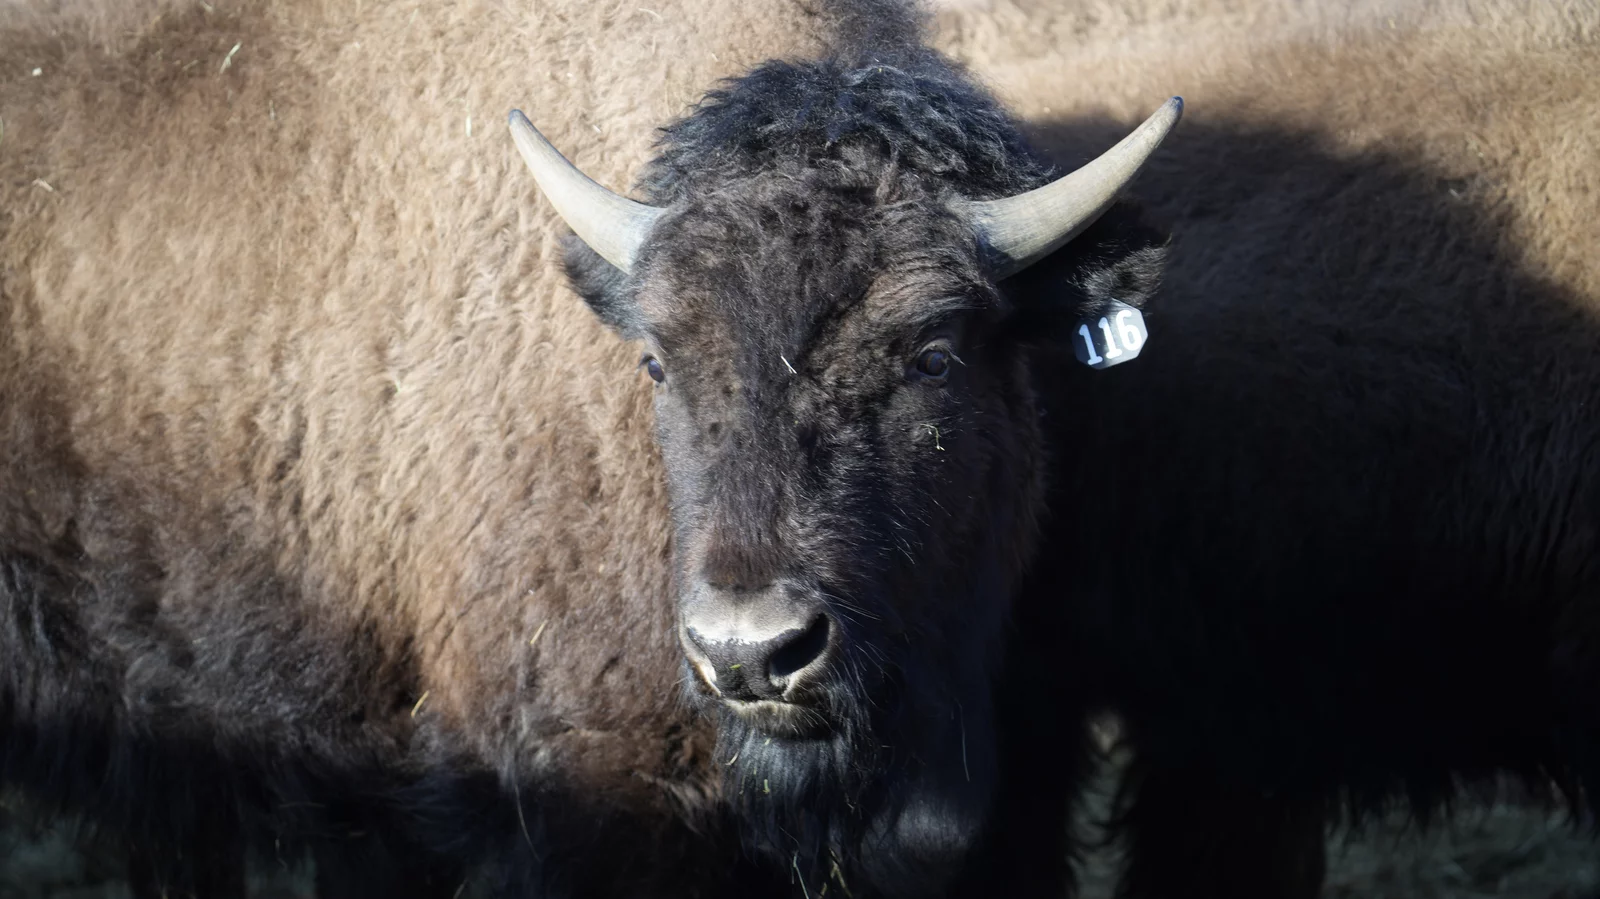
(755, 645)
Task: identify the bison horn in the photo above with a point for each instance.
(1018, 231)
(612, 225)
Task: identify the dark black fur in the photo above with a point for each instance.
(1332, 544)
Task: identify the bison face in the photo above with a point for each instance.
(853, 460)
(854, 463)
(850, 445)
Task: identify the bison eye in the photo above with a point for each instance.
(653, 366)
(934, 362)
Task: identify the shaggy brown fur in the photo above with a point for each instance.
(292, 403)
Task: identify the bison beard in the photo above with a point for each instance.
(893, 790)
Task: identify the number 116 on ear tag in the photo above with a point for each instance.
(1115, 336)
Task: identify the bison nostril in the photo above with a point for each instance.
(752, 646)
(800, 652)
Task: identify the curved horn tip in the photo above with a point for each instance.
(1173, 108)
(1176, 105)
(1020, 230)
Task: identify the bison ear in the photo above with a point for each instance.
(603, 286)
(1119, 257)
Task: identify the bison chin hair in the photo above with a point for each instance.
(887, 799)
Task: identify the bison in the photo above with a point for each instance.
(331, 526)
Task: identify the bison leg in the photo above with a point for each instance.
(1188, 837)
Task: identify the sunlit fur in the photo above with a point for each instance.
(330, 522)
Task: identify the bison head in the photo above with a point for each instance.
(846, 412)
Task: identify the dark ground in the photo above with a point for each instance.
(1505, 849)
(1509, 848)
